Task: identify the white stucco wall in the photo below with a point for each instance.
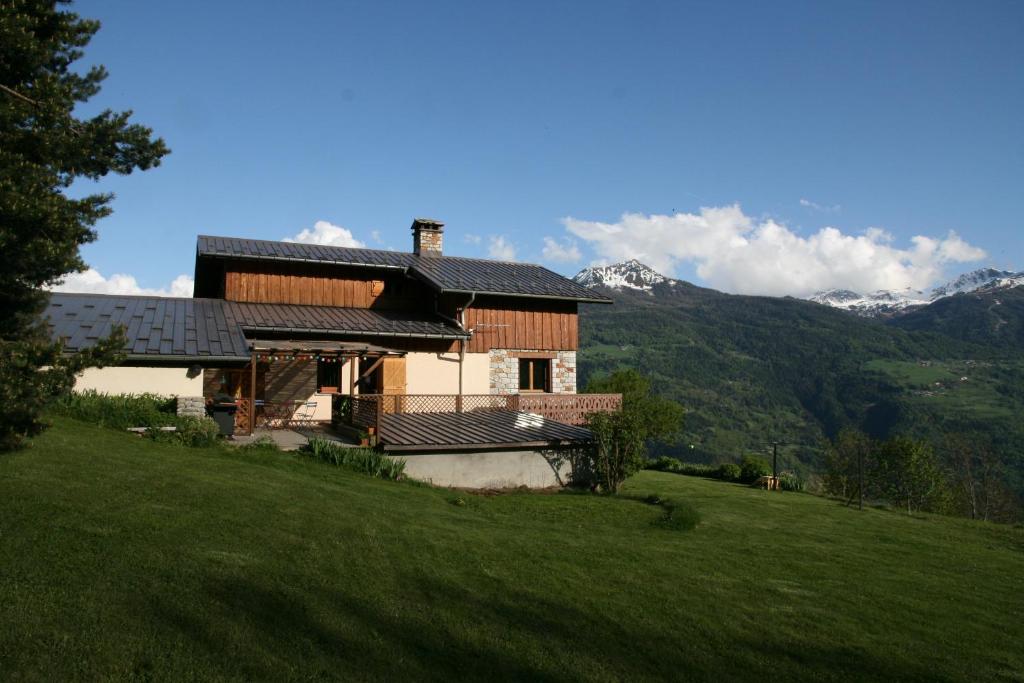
(130, 379)
(490, 469)
(433, 373)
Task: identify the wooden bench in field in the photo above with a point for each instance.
(768, 483)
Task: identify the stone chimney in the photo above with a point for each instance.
(427, 237)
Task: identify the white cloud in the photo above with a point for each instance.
(501, 249)
(375, 236)
(327, 234)
(835, 208)
(737, 253)
(567, 252)
(471, 238)
(93, 282)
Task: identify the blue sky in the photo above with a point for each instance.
(517, 122)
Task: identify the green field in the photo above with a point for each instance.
(982, 390)
(125, 559)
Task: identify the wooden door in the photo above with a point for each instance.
(393, 376)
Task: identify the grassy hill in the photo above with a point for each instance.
(129, 560)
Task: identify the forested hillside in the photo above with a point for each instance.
(752, 370)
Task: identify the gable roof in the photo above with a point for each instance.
(213, 329)
(443, 273)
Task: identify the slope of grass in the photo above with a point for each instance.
(125, 559)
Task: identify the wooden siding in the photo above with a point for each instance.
(500, 323)
(319, 286)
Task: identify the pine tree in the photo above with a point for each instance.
(44, 148)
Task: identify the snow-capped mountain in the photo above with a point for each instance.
(882, 302)
(976, 279)
(890, 302)
(626, 275)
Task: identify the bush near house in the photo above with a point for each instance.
(365, 460)
(118, 411)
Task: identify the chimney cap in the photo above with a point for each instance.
(426, 224)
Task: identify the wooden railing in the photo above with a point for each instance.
(573, 409)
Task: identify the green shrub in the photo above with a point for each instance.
(697, 469)
(753, 468)
(728, 471)
(118, 411)
(663, 464)
(790, 481)
(197, 432)
(365, 460)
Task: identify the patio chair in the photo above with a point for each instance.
(305, 413)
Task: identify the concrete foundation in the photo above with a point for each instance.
(493, 469)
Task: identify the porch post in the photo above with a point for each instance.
(252, 393)
(352, 375)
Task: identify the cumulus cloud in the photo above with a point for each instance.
(555, 251)
(835, 208)
(737, 253)
(327, 234)
(92, 281)
(501, 249)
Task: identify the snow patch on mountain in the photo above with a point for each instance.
(625, 275)
(890, 302)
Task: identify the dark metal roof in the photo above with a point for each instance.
(443, 273)
(162, 328)
(475, 429)
(266, 250)
(289, 318)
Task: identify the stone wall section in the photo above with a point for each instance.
(504, 371)
(191, 406)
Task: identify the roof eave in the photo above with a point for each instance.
(295, 259)
(518, 295)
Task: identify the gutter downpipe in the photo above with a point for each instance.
(462, 342)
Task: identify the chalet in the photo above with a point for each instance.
(466, 367)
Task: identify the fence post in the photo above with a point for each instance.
(378, 418)
(458, 403)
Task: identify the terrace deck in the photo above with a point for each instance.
(476, 430)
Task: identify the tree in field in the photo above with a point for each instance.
(849, 466)
(907, 473)
(978, 477)
(660, 419)
(44, 148)
(618, 450)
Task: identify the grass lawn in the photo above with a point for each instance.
(124, 559)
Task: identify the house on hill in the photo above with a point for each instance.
(452, 358)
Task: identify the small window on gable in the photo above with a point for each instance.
(535, 374)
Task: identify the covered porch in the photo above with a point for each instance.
(293, 383)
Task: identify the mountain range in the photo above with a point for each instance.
(882, 303)
(750, 370)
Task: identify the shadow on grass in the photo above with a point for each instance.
(501, 633)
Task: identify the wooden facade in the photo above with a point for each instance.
(508, 323)
(497, 322)
(278, 283)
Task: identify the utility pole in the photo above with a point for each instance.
(860, 477)
(775, 460)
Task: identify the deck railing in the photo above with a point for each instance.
(368, 409)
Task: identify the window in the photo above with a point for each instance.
(534, 374)
(328, 375)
